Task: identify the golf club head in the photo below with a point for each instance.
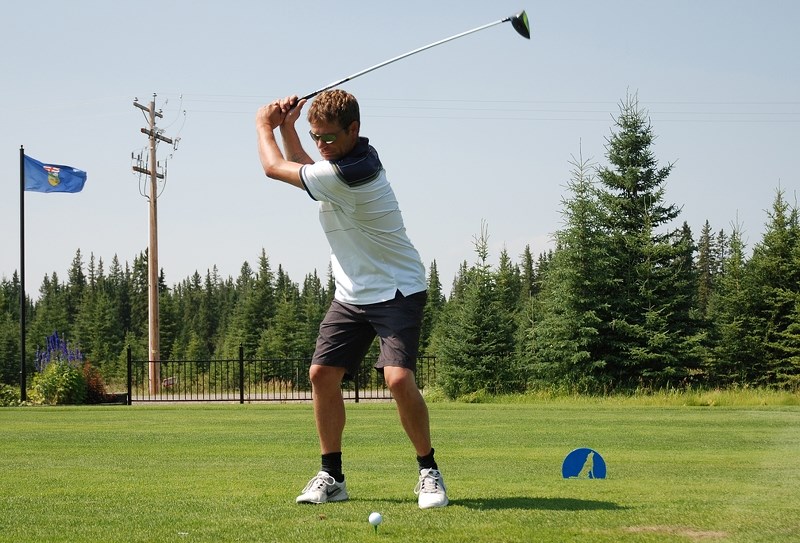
(521, 25)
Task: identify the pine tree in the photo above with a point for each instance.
(509, 282)
(460, 281)
(170, 323)
(221, 296)
(76, 283)
(282, 336)
(527, 275)
(116, 286)
(737, 350)
(255, 307)
(576, 292)
(313, 305)
(685, 326)
(776, 284)
(707, 269)
(542, 262)
(50, 314)
(239, 326)
(475, 335)
(643, 337)
(210, 311)
(330, 288)
(138, 293)
(433, 307)
(9, 335)
(96, 330)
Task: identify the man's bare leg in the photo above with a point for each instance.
(329, 412)
(414, 416)
(328, 485)
(411, 407)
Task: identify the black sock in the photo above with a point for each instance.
(427, 462)
(332, 464)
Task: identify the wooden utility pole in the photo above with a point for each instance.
(154, 350)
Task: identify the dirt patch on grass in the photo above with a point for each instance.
(691, 533)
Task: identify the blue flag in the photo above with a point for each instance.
(41, 177)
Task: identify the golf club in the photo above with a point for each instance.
(518, 21)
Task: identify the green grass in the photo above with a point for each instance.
(198, 473)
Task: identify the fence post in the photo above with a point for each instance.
(130, 378)
(355, 380)
(241, 374)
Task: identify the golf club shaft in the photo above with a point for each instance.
(399, 57)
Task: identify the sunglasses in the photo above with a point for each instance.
(325, 138)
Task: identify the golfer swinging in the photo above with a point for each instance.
(380, 279)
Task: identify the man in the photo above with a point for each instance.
(380, 279)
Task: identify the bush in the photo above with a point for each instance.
(60, 383)
(63, 377)
(434, 394)
(95, 386)
(9, 396)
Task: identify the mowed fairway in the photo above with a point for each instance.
(191, 473)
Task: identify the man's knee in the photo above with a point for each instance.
(325, 376)
(399, 379)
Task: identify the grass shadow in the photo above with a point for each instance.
(543, 504)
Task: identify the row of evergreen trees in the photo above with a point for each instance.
(622, 300)
(200, 318)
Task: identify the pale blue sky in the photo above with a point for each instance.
(479, 129)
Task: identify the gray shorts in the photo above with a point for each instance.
(347, 331)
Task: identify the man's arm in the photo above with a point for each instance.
(291, 141)
(275, 165)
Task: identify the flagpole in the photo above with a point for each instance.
(23, 395)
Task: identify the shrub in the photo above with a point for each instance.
(62, 375)
(59, 383)
(9, 396)
(95, 386)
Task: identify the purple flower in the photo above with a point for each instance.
(57, 350)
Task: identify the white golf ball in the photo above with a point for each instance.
(375, 518)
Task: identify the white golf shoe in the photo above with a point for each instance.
(323, 488)
(430, 489)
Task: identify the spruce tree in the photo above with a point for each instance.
(775, 279)
(433, 308)
(9, 334)
(707, 269)
(235, 335)
(527, 275)
(313, 305)
(118, 292)
(509, 282)
(50, 314)
(76, 283)
(138, 295)
(475, 335)
(644, 337)
(737, 357)
(565, 344)
(282, 337)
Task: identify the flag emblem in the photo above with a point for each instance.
(52, 175)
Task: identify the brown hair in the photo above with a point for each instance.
(334, 106)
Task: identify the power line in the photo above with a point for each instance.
(762, 111)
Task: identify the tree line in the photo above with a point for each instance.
(623, 301)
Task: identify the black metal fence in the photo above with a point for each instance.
(256, 380)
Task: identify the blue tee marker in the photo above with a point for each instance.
(584, 464)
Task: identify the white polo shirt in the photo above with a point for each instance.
(371, 255)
